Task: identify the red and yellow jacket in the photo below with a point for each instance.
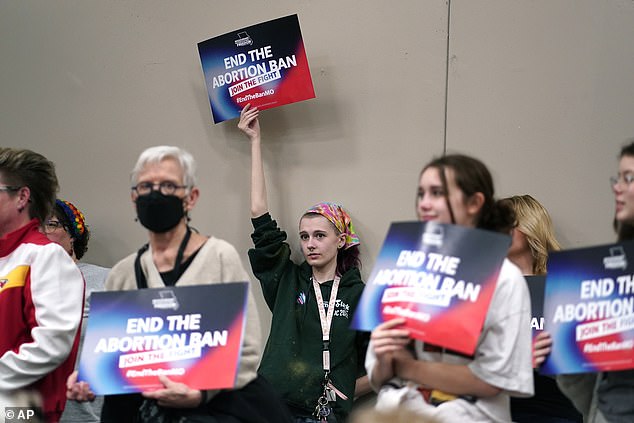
(41, 303)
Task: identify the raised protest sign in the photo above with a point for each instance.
(190, 334)
(264, 65)
(589, 309)
(439, 277)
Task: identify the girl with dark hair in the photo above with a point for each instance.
(607, 397)
(444, 384)
(311, 356)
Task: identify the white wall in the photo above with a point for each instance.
(543, 90)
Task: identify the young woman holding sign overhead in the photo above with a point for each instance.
(433, 381)
(311, 356)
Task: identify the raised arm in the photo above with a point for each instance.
(250, 125)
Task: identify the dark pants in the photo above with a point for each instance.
(257, 402)
(539, 418)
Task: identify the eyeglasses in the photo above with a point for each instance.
(165, 187)
(8, 188)
(626, 178)
(52, 226)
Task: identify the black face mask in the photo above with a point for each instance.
(159, 213)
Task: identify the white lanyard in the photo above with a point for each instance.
(326, 319)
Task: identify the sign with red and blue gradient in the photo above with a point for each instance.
(589, 309)
(439, 277)
(190, 334)
(264, 65)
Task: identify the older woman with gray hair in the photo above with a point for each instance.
(164, 192)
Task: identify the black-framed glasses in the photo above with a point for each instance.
(51, 226)
(165, 187)
(9, 188)
(626, 178)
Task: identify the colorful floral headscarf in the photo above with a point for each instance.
(338, 217)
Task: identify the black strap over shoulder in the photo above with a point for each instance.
(141, 281)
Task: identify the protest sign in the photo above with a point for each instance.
(439, 277)
(190, 334)
(589, 309)
(264, 65)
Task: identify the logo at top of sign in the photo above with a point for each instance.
(243, 39)
(167, 300)
(616, 259)
(434, 234)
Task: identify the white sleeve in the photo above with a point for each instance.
(503, 354)
(54, 313)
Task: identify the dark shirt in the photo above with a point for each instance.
(548, 401)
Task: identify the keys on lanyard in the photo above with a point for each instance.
(323, 410)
